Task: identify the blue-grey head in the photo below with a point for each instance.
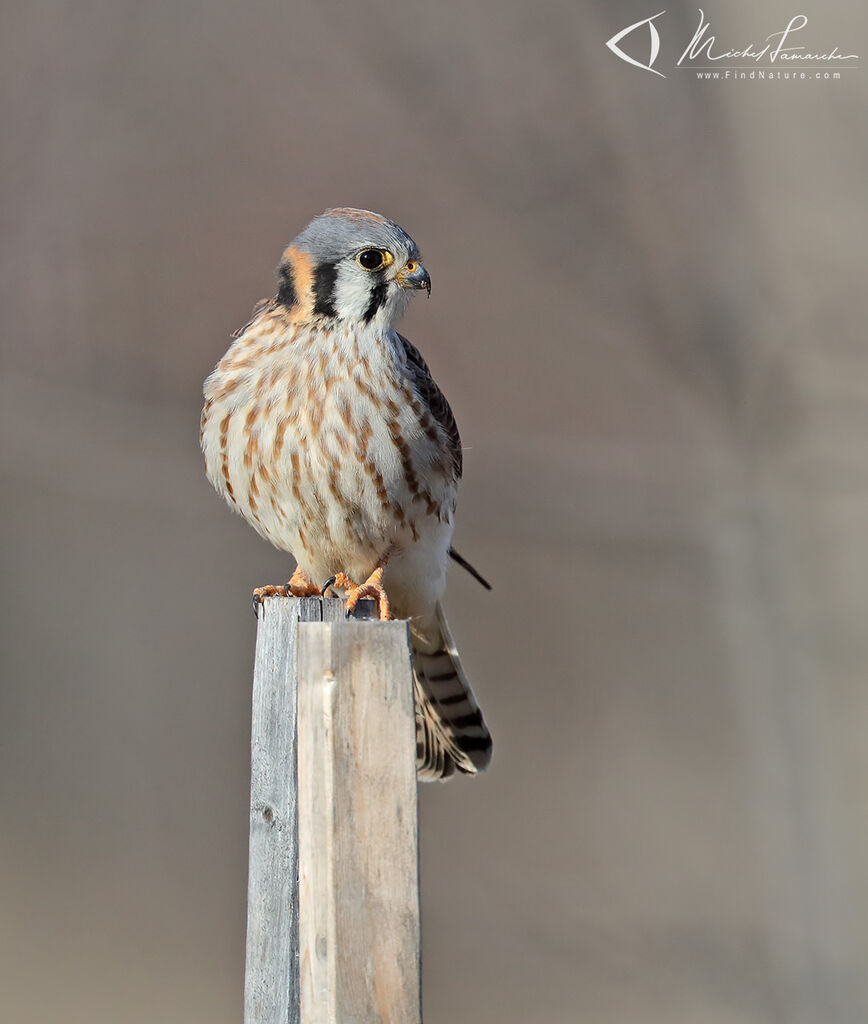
(351, 265)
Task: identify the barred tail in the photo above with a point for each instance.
(450, 731)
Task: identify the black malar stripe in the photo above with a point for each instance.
(378, 297)
(324, 279)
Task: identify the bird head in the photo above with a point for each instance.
(351, 265)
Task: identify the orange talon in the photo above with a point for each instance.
(260, 594)
(372, 587)
(298, 586)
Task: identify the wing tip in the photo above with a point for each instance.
(475, 573)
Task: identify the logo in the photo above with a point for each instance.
(709, 59)
(655, 44)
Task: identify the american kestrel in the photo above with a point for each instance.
(323, 427)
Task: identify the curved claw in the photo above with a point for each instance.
(372, 587)
(260, 593)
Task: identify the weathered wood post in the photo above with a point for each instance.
(333, 891)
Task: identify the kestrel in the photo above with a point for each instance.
(323, 427)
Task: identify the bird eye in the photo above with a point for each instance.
(374, 259)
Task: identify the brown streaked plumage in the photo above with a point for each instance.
(323, 427)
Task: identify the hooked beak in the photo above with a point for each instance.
(414, 275)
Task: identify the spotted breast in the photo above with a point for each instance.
(324, 429)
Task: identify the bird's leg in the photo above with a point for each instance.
(372, 587)
(340, 580)
(298, 586)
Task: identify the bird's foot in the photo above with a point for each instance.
(298, 586)
(372, 588)
(260, 594)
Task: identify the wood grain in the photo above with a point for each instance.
(333, 900)
(357, 814)
(271, 977)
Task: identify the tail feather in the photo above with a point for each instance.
(450, 731)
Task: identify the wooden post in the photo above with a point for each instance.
(333, 892)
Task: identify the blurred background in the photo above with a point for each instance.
(648, 315)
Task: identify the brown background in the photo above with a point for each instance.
(648, 314)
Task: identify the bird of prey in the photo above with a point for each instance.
(324, 428)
